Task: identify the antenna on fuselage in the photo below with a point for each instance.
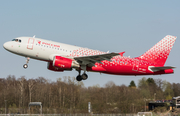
(107, 51)
(34, 36)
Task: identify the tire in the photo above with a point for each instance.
(79, 78)
(84, 76)
(25, 66)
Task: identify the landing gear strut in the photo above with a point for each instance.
(27, 61)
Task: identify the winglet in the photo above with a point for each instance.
(121, 53)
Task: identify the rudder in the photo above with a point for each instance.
(159, 53)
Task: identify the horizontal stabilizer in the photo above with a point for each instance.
(154, 69)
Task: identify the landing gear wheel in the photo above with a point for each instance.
(27, 61)
(84, 76)
(79, 78)
(25, 66)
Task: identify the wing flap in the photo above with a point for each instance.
(91, 60)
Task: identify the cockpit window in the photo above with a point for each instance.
(17, 40)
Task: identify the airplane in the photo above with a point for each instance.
(63, 57)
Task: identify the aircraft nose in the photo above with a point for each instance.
(6, 45)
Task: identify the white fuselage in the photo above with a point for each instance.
(41, 49)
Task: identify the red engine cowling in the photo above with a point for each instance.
(64, 63)
(52, 68)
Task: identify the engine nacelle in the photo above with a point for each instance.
(64, 63)
(52, 68)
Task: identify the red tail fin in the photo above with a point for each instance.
(160, 52)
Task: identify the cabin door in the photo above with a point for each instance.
(30, 44)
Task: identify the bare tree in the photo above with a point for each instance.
(21, 88)
(31, 84)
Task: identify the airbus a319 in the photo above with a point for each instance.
(63, 57)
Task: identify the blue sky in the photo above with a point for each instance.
(115, 26)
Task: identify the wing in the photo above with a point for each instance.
(91, 60)
(154, 69)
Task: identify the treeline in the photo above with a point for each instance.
(69, 96)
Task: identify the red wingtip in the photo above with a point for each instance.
(121, 53)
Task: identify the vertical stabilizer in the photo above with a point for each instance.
(160, 52)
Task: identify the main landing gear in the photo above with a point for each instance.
(84, 76)
(27, 61)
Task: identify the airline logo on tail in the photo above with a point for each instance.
(159, 53)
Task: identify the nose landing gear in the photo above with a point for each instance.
(27, 61)
(25, 66)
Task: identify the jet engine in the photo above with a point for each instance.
(52, 68)
(64, 63)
